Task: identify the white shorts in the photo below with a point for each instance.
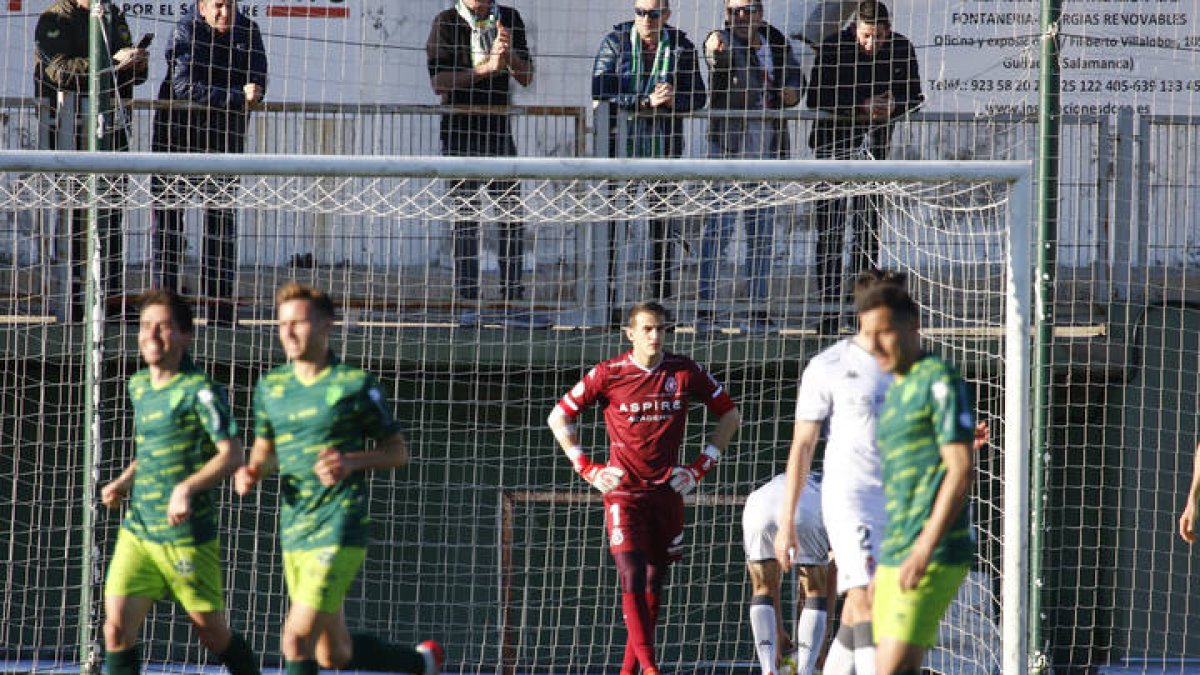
(760, 522)
(855, 526)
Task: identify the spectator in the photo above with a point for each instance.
(865, 77)
(216, 74)
(752, 69)
(473, 52)
(61, 62)
(648, 71)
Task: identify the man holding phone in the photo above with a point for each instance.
(60, 82)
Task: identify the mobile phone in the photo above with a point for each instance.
(145, 41)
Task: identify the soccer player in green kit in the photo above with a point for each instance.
(312, 417)
(925, 435)
(186, 445)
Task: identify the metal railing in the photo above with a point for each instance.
(1109, 232)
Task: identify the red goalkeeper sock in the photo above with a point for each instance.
(641, 629)
(629, 662)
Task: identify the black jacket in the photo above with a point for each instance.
(61, 60)
(208, 71)
(613, 80)
(736, 84)
(843, 77)
(448, 48)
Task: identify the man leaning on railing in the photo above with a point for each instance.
(216, 74)
(752, 69)
(647, 70)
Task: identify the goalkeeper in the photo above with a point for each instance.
(644, 394)
(168, 539)
(312, 417)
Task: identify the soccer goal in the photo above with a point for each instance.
(488, 542)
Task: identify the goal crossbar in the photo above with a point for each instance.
(42, 161)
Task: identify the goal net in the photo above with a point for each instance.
(487, 541)
(472, 376)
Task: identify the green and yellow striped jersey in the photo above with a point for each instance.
(176, 427)
(340, 409)
(926, 408)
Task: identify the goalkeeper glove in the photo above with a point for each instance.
(685, 478)
(603, 477)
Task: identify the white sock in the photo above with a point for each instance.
(810, 634)
(840, 660)
(864, 649)
(762, 627)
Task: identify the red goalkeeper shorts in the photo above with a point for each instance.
(648, 522)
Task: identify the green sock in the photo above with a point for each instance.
(308, 667)
(125, 662)
(371, 653)
(239, 658)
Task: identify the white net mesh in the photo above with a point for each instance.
(352, 77)
(498, 579)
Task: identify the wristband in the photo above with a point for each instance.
(707, 460)
(578, 460)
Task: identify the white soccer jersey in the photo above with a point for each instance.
(760, 522)
(844, 387)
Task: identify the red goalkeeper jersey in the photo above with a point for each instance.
(646, 411)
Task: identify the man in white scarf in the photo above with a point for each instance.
(474, 51)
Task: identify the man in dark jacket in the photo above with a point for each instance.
(216, 74)
(648, 72)
(473, 52)
(60, 82)
(752, 70)
(865, 77)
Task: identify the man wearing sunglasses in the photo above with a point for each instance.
(753, 71)
(648, 70)
(865, 78)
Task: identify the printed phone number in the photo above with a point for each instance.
(1067, 86)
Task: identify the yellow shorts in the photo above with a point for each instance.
(144, 569)
(321, 577)
(913, 616)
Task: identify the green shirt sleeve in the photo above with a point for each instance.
(262, 420)
(211, 406)
(375, 412)
(953, 414)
